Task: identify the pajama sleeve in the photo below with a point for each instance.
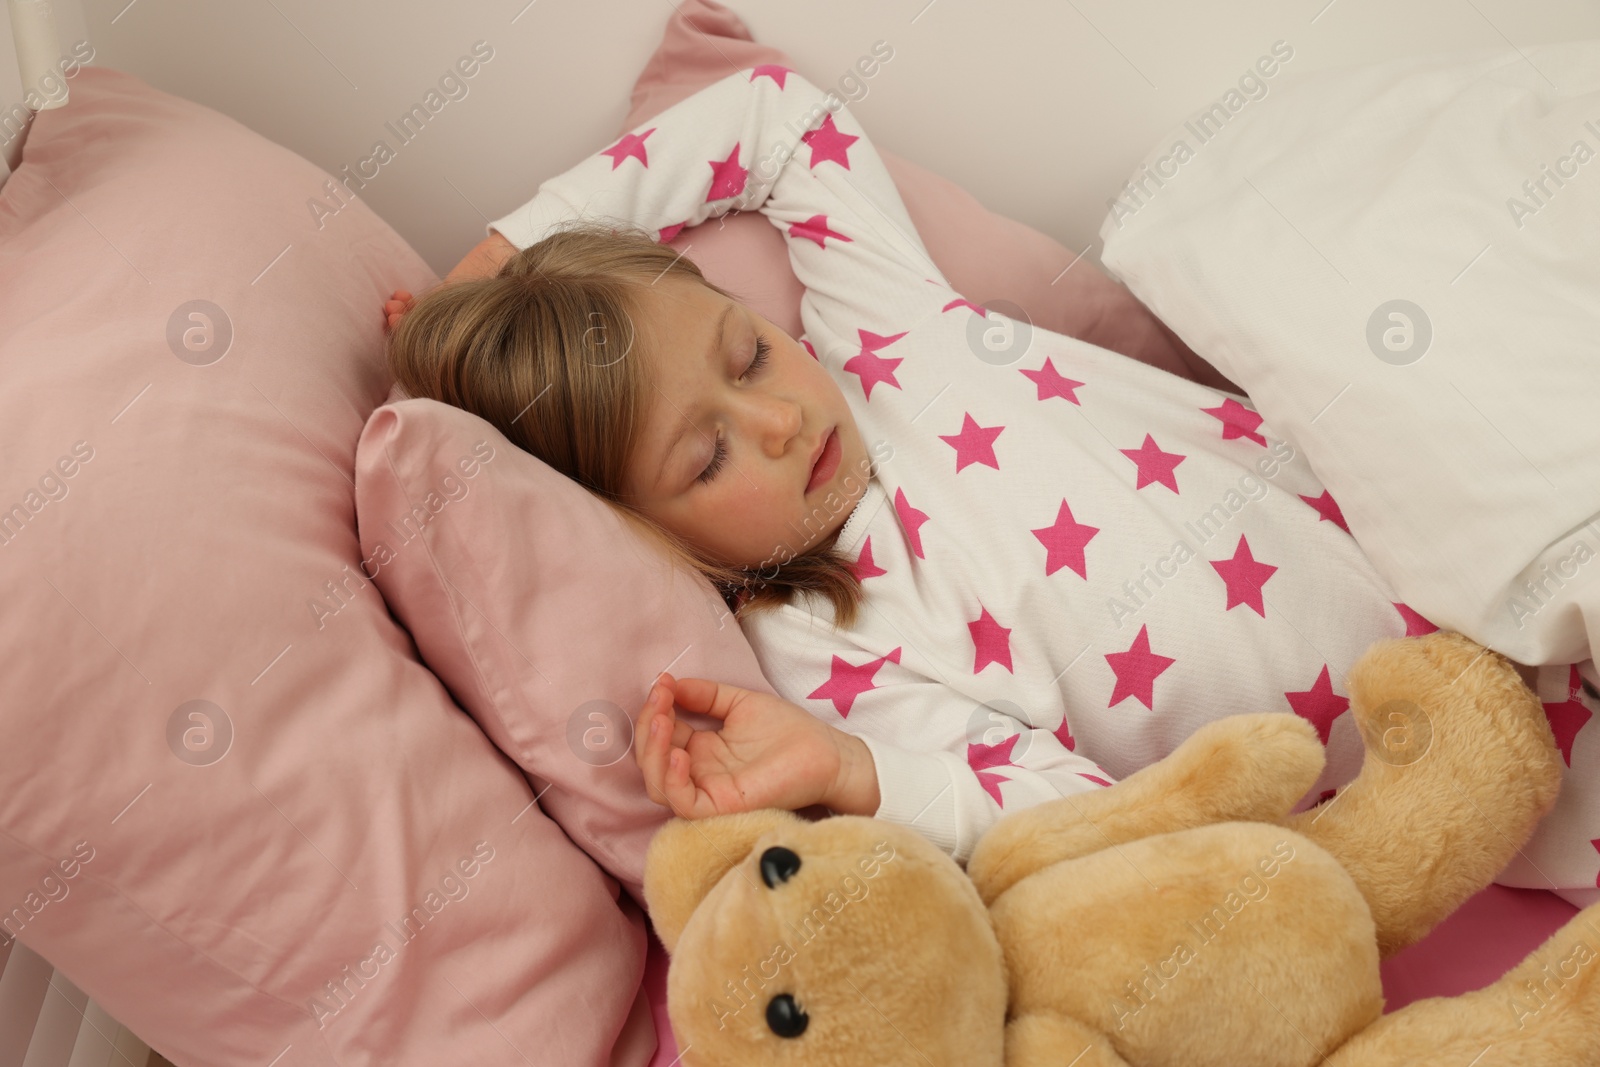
(952, 800)
(949, 762)
(762, 139)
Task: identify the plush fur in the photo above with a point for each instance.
(1180, 918)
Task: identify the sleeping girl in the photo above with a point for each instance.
(982, 565)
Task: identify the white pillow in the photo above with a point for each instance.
(1459, 432)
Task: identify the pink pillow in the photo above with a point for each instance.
(234, 807)
(545, 615)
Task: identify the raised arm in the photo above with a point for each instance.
(761, 139)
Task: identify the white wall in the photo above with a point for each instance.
(1041, 108)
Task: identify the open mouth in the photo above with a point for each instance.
(826, 463)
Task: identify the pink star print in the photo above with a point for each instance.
(847, 681)
(727, 177)
(991, 784)
(974, 444)
(1319, 705)
(631, 146)
(774, 71)
(813, 351)
(1327, 508)
(864, 567)
(963, 302)
(1051, 383)
(815, 229)
(1092, 778)
(991, 642)
(981, 757)
(1237, 421)
(1415, 623)
(911, 519)
(1245, 577)
(1064, 735)
(669, 232)
(872, 368)
(828, 143)
(1063, 542)
(1154, 464)
(1569, 716)
(1137, 670)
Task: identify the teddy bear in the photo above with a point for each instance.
(1186, 916)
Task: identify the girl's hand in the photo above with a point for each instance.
(483, 260)
(396, 307)
(768, 753)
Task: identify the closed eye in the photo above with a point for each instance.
(763, 350)
(719, 455)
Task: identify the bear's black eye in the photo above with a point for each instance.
(778, 864)
(784, 1016)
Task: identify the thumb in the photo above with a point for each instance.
(706, 696)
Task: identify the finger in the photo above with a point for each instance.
(654, 701)
(708, 697)
(667, 774)
(648, 711)
(668, 720)
(681, 732)
(681, 792)
(656, 761)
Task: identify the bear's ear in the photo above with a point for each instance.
(687, 858)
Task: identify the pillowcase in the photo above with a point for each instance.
(235, 809)
(542, 612)
(1397, 262)
(1359, 252)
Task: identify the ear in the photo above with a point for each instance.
(687, 858)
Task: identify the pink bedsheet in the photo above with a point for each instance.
(1485, 938)
(1490, 934)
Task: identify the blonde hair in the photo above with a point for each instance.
(546, 327)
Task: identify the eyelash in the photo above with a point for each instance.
(720, 454)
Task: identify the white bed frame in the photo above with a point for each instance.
(36, 46)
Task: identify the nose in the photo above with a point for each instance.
(778, 865)
(774, 422)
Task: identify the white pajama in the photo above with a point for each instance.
(1071, 560)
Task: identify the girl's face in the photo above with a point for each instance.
(739, 412)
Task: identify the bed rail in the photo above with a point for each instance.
(37, 44)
